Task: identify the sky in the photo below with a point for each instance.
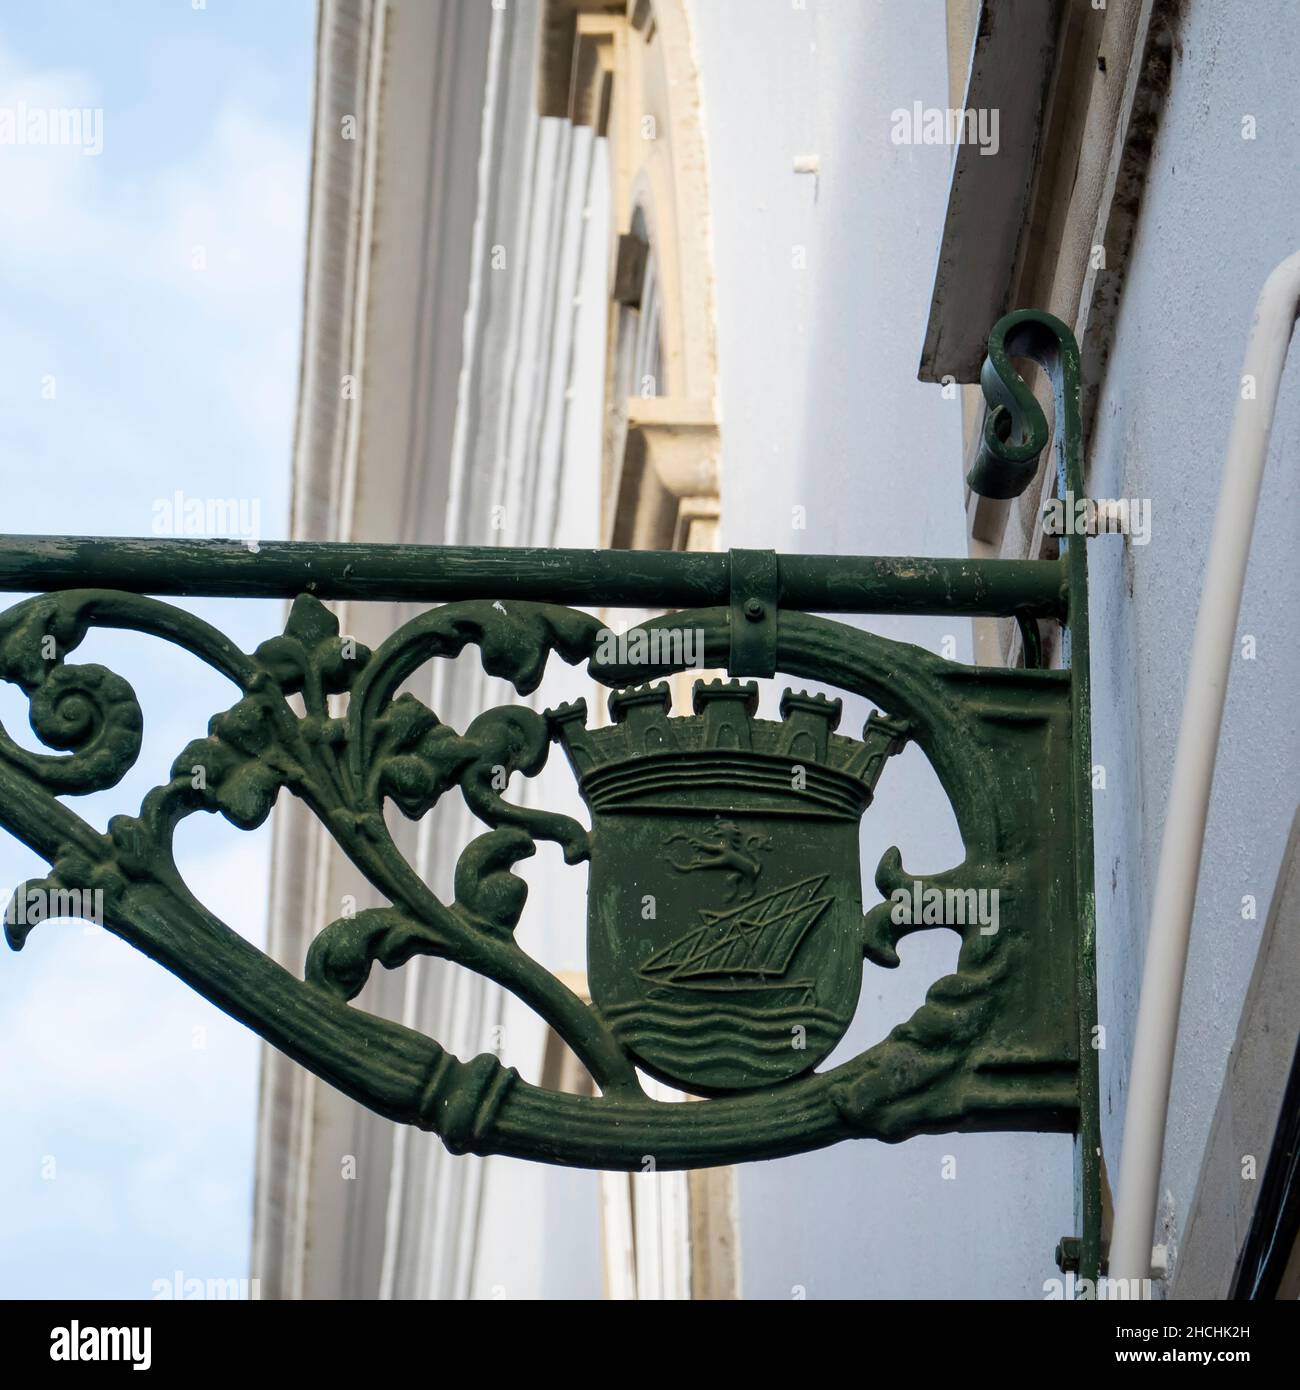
(150, 308)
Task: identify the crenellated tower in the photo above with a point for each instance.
(648, 760)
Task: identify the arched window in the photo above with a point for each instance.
(629, 71)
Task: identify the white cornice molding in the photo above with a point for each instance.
(349, 38)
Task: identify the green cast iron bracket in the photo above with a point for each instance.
(726, 930)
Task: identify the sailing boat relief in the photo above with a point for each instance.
(750, 947)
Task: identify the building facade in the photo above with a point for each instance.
(690, 274)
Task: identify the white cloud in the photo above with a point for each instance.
(215, 241)
(163, 373)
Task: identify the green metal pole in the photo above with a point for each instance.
(594, 578)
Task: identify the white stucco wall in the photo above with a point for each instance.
(821, 409)
(1218, 213)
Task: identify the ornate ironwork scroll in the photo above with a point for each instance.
(743, 831)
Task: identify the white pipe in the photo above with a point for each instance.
(1189, 792)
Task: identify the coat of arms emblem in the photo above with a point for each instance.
(725, 905)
